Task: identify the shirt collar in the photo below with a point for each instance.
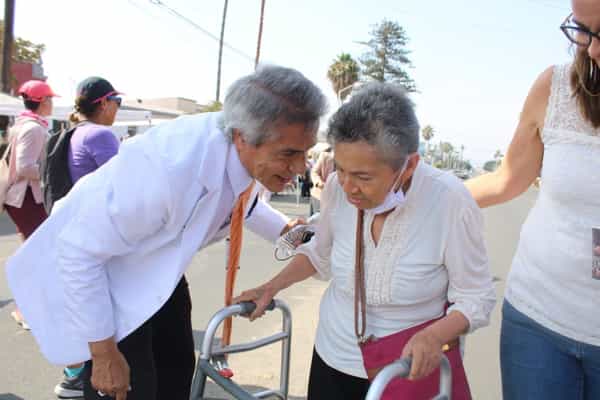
(415, 182)
(238, 175)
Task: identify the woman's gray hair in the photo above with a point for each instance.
(272, 94)
(382, 115)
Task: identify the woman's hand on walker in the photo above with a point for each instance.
(261, 296)
(425, 350)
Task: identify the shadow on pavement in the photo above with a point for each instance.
(214, 392)
(4, 303)
(9, 396)
(7, 227)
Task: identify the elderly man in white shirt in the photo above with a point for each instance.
(422, 249)
(102, 279)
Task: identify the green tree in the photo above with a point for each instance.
(428, 133)
(23, 49)
(490, 166)
(387, 57)
(213, 106)
(342, 73)
(446, 147)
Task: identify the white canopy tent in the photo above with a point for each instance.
(12, 106)
(61, 113)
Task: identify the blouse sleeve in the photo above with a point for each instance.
(471, 289)
(318, 250)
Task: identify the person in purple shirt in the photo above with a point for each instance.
(92, 145)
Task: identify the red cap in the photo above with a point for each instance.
(36, 90)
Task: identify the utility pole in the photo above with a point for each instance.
(260, 30)
(8, 36)
(221, 51)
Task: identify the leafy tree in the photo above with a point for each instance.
(213, 106)
(428, 133)
(387, 57)
(24, 50)
(343, 72)
(490, 166)
(446, 147)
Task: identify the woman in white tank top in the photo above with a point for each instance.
(550, 340)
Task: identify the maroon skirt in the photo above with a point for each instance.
(29, 216)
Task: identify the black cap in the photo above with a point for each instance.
(95, 88)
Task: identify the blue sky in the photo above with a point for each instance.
(474, 60)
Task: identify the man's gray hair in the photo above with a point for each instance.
(271, 95)
(382, 115)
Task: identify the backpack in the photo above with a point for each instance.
(55, 176)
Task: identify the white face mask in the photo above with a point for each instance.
(394, 198)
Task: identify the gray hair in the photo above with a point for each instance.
(382, 115)
(272, 94)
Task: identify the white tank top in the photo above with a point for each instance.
(551, 276)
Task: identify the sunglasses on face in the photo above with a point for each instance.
(116, 99)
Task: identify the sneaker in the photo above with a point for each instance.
(16, 315)
(70, 388)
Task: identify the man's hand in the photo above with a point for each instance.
(293, 223)
(425, 349)
(261, 295)
(110, 371)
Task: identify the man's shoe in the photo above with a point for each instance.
(70, 388)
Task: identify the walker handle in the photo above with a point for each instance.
(248, 307)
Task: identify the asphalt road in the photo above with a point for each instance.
(24, 374)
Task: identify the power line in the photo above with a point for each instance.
(201, 29)
(143, 10)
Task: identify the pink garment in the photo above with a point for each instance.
(30, 114)
(325, 165)
(320, 172)
(27, 139)
(385, 350)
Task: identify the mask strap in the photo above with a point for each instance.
(395, 186)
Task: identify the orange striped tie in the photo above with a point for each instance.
(235, 248)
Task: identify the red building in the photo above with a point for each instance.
(23, 72)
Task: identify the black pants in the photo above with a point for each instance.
(326, 383)
(160, 353)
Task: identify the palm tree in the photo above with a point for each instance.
(447, 149)
(428, 133)
(343, 73)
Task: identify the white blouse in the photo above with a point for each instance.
(431, 251)
(551, 276)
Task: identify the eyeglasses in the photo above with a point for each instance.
(116, 99)
(578, 33)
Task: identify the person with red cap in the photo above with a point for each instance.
(27, 137)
